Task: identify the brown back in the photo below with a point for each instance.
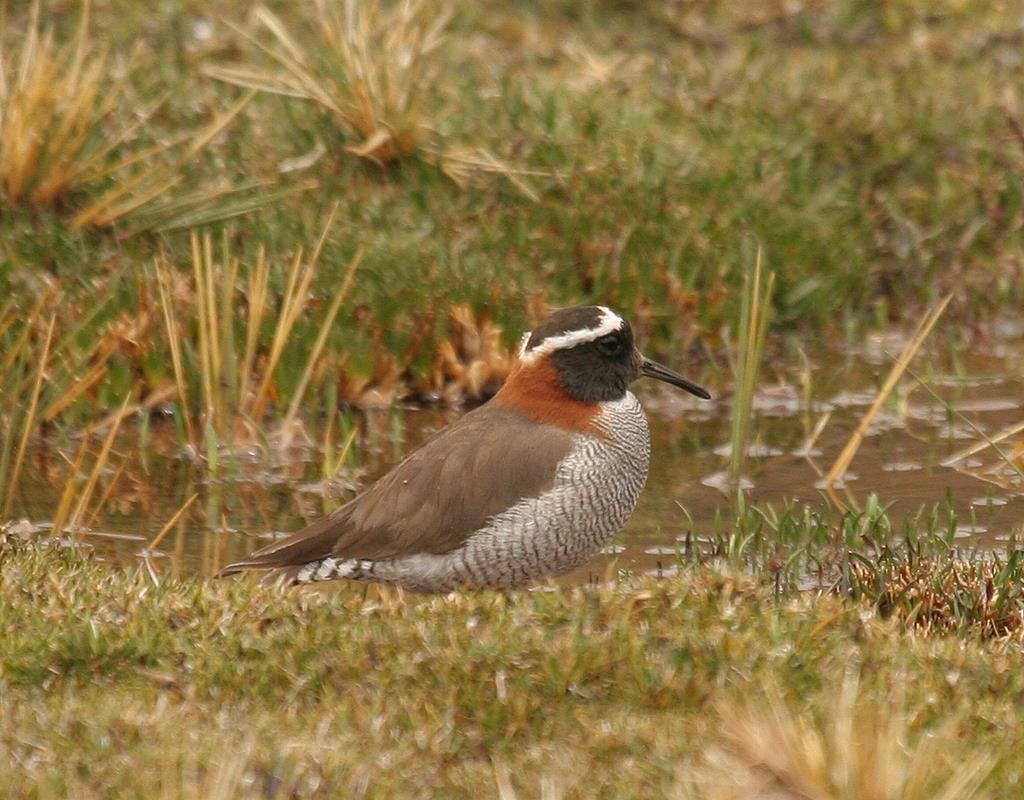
(438, 495)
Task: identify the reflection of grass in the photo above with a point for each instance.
(82, 484)
(618, 691)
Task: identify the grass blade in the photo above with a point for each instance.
(842, 462)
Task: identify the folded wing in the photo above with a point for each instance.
(437, 496)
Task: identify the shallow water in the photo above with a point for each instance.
(905, 460)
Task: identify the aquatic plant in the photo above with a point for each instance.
(752, 326)
(231, 378)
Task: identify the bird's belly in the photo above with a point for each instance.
(595, 490)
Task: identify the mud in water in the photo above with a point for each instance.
(920, 450)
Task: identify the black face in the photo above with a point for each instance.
(601, 370)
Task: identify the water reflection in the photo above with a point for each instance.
(917, 452)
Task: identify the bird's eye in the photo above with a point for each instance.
(609, 345)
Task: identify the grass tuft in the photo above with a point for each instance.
(948, 594)
(54, 102)
(863, 747)
(226, 346)
(62, 147)
(755, 310)
(369, 66)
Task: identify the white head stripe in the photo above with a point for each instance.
(523, 341)
(609, 323)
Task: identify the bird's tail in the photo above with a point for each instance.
(272, 574)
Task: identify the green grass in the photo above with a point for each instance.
(871, 155)
(116, 684)
(633, 154)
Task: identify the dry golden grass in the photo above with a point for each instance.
(369, 68)
(61, 146)
(924, 328)
(860, 749)
(472, 362)
(236, 373)
(374, 68)
(54, 101)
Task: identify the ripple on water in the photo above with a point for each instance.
(886, 421)
(848, 399)
(691, 539)
(983, 405)
(25, 528)
(955, 432)
(844, 479)
(989, 501)
(785, 400)
(967, 463)
(932, 414)
(902, 466)
(973, 382)
(720, 481)
(120, 537)
(662, 551)
(753, 451)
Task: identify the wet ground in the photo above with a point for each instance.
(920, 451)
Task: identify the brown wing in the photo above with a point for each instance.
(436, 496)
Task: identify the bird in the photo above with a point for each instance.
(529, 485)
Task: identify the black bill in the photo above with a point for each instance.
(652, 369)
